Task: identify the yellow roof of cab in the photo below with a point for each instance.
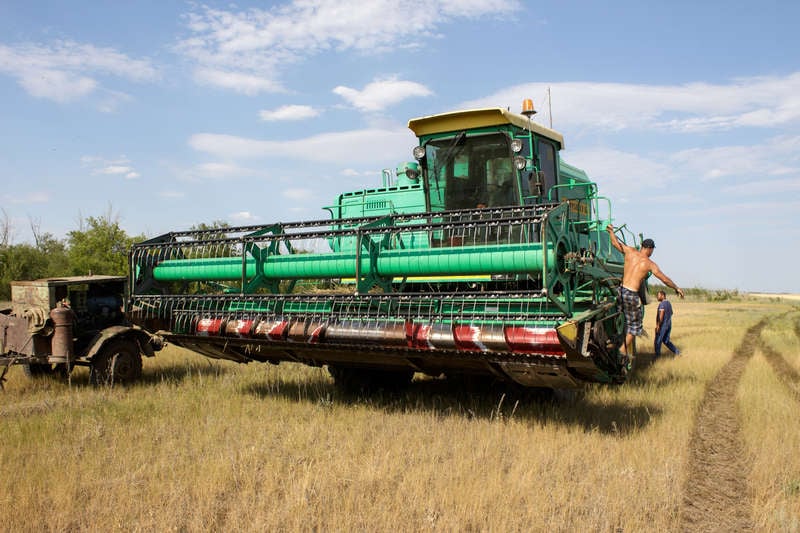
(478, 118)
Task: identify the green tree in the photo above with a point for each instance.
(54, 254)
(215, 230)
(100, 246)
(209, 232)
(54, 251)
(20, 262)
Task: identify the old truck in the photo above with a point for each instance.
(55, 324)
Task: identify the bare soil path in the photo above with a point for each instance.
(716, 496)
(781, 367)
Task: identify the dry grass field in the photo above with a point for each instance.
(707, 441)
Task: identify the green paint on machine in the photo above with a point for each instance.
(487, 254)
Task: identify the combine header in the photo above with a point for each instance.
(485, 256)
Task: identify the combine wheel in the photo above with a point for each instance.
(119, 362)
(355, 380)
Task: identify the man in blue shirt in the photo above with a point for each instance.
(664, 325)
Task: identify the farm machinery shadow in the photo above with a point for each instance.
(173, 373)
(473, 399)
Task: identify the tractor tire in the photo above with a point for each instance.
(117, 363)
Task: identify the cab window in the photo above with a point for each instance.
(547, 163)
(466, 172)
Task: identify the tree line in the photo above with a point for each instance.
(98, 246)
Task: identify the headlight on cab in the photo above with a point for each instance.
(408, 170)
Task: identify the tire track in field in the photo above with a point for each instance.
(716, 496)
(779, 364)
(786, 372)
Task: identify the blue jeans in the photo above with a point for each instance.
(662, 337)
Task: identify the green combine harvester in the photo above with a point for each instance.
(487, 255)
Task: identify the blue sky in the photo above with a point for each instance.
(169, 114)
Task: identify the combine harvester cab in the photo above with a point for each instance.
(484, 256)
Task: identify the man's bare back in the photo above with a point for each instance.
(638, 264)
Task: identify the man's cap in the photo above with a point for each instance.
(648, 243)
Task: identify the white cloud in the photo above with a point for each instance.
(771, 167)
(114, 169)
(55, 85)
(381, 93)
(257, 44)
(372, 145)
(109, 101)
(243, 216)
(622, 173)
(776, 156)
(476, 8)
(120, 166)
(65, 71)
(288, 112)
(688, 108)
(214, 171)
(241, 82)
(353, 173)
(685, 145)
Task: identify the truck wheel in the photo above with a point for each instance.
(118, 362)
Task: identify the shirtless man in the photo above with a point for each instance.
(637, 266)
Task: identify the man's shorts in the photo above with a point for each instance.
(632, 309)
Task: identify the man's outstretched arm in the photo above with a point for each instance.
(614, 241)
(664, 278)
